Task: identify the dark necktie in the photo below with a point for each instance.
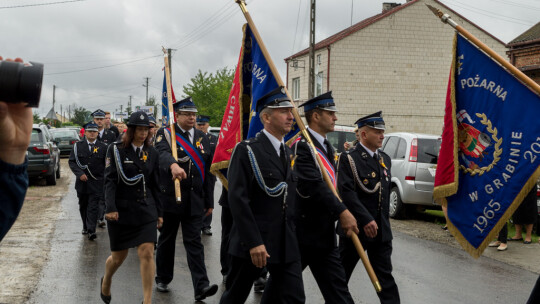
(282, 156)
(91, 147)
(186, 135)
(329, 149)
(376, 157)
(138, 152)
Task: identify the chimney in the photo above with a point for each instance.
(386, 6)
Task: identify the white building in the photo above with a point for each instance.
(397, 61)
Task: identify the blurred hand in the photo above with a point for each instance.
(346, 145)
(159, 222)
(370, 229)
(208, 211)
(178, 172)
(348, 223)
(259, 256)
(16, 124)
(83, 178)
(111, 216)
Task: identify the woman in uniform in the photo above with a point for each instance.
(133, 209)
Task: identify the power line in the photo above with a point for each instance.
(103, 67)
(490, 14)
(296, 29)
(40, 4)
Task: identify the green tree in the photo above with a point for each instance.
(152, 102)
(210, 93)
(80, 116)
(36, 118)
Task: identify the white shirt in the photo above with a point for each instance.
(319, 138)
(368, 150)
(190, 131)
(135, 147)
(276, 143)
(101, 132)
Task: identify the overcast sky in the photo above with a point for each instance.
(98, 52)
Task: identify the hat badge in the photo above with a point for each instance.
(141, 117)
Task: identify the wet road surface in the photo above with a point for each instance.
(426, 272)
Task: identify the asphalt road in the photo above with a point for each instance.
(425, 271)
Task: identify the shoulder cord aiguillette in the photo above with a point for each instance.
(357, 178)
(130, 181)
(79, 164)
(278, 190)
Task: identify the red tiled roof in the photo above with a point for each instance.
(368, 21)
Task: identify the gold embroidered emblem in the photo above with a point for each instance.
(381, 161)
(365, 181)
(293, 159)
(373, 174)
(95, 150)
(144, 156)
(159, 138)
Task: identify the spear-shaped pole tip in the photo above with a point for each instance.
(437, 12)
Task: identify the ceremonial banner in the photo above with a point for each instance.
(252, 80)
(490, 152)
(165, 102)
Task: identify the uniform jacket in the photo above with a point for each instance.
(95, 160)
(133, 207)
(108, 137)
(194, 189)
(213, 142)
(258, 218)
(318, 208)
(212, 139)
(363, 205)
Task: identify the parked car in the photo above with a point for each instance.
(43, 155)
(65, 138)
(414, 162)
(340, 135)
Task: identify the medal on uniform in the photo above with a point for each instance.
(381, 161)
(159, 138)
(95, 150)
(199, 145)
(365, 181)
(335, 157)
(373, 174)
(144, 156)
(292, 160)
(107, 162)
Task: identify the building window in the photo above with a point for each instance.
(296, 88)
(319, 59)
(319, 84)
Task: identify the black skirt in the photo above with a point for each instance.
(123, 237)
(527, 212)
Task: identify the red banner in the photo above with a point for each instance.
(231, 131)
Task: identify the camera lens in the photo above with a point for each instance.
(21, 83)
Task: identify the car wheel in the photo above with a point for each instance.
(51, 179)
(396, 208)
(58, 170)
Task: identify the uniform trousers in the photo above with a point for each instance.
(379, 254)
(191, 236)
(325, 265)
(226, 225)
(284, 285)
(207, 221)
(89, 210)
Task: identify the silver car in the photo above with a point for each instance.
(414, 161)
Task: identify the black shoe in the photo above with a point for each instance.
(206, 292)
(259, 284)
(207, 231)
(101, 224)
(106, 299)
(84, 231)
(92, 236)
(162, 287)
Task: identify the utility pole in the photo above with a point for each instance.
(129, 106)
(311, 83)
(61, 114)
(53, 96)
(146, 85)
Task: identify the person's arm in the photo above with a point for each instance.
(16, 125)
(111, 180)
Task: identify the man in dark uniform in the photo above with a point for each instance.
(109, 125)
(87, 162)
(364, 185)
(203, 123)
(318, 207)
(104, 135)
(193, 170)
(153, 128)
(262, 187)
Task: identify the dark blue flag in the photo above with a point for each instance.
(493, 140)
